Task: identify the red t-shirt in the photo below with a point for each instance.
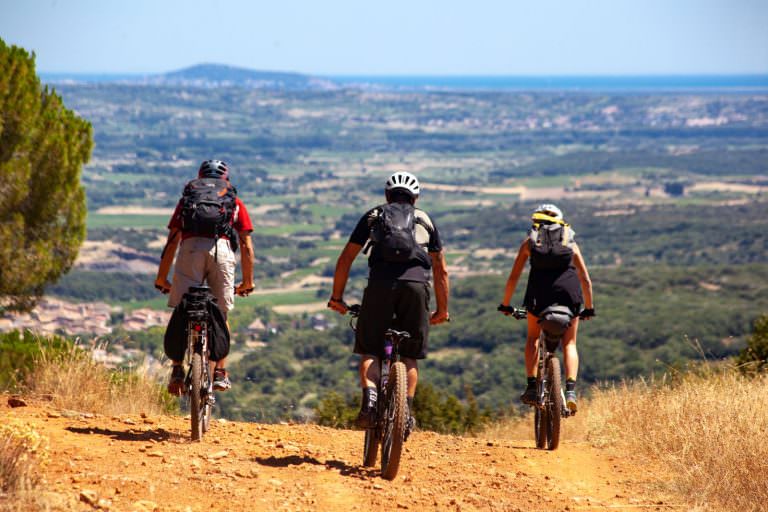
(241, 221)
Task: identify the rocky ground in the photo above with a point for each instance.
(147, 463)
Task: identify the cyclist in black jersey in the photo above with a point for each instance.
(398, 292)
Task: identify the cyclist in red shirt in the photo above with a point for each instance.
(207, 259)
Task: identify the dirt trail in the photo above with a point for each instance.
(132, 463)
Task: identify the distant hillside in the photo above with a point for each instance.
(219, 74)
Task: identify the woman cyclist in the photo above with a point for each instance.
(558, 276)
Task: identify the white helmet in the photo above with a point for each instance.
(404, 181)
(549, 210)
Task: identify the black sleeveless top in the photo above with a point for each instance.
(547, 287)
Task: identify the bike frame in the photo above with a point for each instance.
(197, 343)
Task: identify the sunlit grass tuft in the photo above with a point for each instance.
(73, 380)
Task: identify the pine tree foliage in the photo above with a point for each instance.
(43, 147)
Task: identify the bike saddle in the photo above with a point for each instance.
(199, 289)
(403, 335)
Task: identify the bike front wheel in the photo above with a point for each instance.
(394, 421)
(197, 404)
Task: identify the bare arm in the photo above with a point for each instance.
(341, 275)
(517, 269)
(246, 262)
(586, 282)
(442, 287)
(166, 260)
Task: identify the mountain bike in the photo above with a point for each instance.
(198, 382)
(550, 404)
(389, 430)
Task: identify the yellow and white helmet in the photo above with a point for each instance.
(548, 212)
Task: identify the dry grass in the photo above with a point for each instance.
(23, 454)
(74, 381)
(706, 427)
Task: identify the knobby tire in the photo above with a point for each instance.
(394, 421)
(195, 397)
(554, 405)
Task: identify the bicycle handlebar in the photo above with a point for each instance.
(518, 313)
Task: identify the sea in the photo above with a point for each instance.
(641, 83)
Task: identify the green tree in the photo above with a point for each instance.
(43, 147)
(754, 357)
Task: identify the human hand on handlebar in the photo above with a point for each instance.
(438, 317)
(163, 285)
(244, 289)
(338, 305)
(587, 313)
(518, 313)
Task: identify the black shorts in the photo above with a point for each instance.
(401, 305)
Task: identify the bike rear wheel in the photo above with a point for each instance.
(196, 401)
(394, 421)
(554, 403)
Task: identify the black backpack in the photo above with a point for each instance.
(551, 246)
(208, 207)
(393, 234)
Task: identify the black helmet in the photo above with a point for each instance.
(213, 169)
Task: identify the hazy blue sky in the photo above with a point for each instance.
(512, 37)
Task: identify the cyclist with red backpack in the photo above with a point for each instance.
(558, 275)
(207, 226)
(404, 246)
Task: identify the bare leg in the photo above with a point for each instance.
(412, 365)
(532, 346)
(369, 371)
(569, 350)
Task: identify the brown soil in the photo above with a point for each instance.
(149, 463)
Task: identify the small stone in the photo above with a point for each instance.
(104, 504)
(218, 455)
(88, 496)
(70, 414)
(155, 454)
(145, 506)
(88, 415)
(16, 401)
(222, 420)
(275, 482)
(52, 414)
(129, 421)
(378, 486)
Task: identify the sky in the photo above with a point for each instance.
(394, 37)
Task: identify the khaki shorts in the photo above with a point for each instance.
(198, 263)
